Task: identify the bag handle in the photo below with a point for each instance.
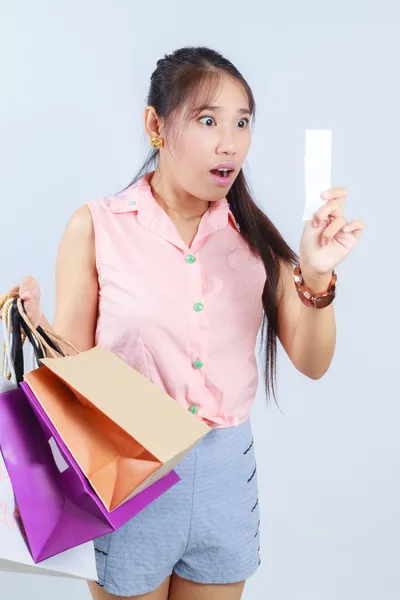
(37, 346)
(14, 339)
(4, 299)
(46, 338)
(4, 307)
(7, 367)
(28, 326)
(17, 353)
(55, 337)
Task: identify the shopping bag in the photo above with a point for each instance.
(15, 556)
(58, 508)
(124, 432)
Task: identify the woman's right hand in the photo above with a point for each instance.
(29, 292)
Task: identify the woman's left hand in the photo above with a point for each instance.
(329, 238)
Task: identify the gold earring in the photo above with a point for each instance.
(157, 142)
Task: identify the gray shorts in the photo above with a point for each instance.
(206, 528)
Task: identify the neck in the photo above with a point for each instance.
(175, 201)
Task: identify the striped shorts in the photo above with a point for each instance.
(206, 528)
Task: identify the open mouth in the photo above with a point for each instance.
(222, 172)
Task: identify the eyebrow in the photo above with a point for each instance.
(240, 111)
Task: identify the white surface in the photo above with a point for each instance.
(317, 169)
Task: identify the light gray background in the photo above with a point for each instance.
(74, 75)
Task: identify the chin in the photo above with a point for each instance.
(207, 191)
(207, 195)
(215, 192)
(218, 197)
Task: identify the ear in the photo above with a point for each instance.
(152, 123)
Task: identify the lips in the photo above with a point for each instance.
(223, 173)
(223, 169)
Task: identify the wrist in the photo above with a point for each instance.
(317, 283)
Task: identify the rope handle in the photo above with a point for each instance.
(41, 339)
(57, 338)
(7, 367)
(34, 331)
(4, 299)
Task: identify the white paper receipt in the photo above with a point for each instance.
(318, 167)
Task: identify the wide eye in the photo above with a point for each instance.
(208, 121)
(242, 123)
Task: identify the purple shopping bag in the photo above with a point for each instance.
(59, 509)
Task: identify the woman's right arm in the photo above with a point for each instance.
(76, 284)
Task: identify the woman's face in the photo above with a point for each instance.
(203, 157)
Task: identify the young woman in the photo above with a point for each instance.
(175, 275)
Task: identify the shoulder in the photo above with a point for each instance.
(77, 247)
(80, 224)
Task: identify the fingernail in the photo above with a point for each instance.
(326, 196)
(346, 228)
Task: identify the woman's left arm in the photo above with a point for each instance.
(308, 334)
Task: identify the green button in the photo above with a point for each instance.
(193, 409)
(190, 259)
(197, 364)
(198, 306)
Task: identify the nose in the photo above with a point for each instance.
(226, 145)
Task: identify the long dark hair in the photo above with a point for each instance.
(179, 80)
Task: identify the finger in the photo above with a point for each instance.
(332, 229)
(27, 295)
(29, 289)
(353, 226)
(331, 208)
(357, 233)
(28, 282)
(333, 193)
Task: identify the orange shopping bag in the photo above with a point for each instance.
(123, 431)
